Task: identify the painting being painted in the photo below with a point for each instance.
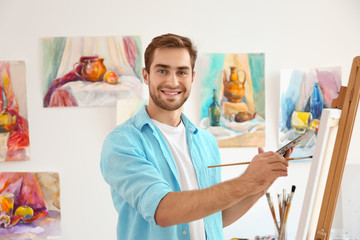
(91, 71)
(233, 98)
(304, 93)
(29, 205)
(14, 128)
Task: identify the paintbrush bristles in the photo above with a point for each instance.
(292, 193)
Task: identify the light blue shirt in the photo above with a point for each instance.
(138, 165)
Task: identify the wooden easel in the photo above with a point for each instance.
(347, 101)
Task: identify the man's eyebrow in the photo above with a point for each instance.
(167, 66)
(183, 68)
(162, 66)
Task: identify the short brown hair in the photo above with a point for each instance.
(169, 41)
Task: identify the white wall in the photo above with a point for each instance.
(68, 140)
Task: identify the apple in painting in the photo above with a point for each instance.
(314, 125)
(111, 77)
(25, 212)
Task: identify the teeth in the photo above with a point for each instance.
(172, 93)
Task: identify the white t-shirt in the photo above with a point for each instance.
(176, 139)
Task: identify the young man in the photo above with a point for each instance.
(156, 162)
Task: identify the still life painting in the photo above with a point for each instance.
(304, 94)
(233, 98)
(29, 205)
(14, 127)
(91, 71)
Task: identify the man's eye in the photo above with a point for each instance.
(183, 73)
(162, 71)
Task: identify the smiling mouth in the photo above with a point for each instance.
(170, 93)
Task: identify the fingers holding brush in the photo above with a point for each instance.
(288, 152)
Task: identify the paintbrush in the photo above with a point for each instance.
(243, 163)
(283, 210)
(289, 202)
(287, 209)
(280, 208)
(272, 210)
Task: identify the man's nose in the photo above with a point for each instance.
(173, 79)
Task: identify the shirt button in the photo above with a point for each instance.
(184, 232)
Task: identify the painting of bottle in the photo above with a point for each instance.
(316, 103)
(214, 111)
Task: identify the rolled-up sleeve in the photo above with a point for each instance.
(126, 168)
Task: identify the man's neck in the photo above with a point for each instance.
(172, 118)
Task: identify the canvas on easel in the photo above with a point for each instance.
(318, 173)
(329, 161)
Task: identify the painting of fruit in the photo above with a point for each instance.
(14, 127)
(29, 200)
(91, 71)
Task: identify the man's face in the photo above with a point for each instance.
(170, 78)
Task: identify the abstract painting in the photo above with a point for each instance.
(14, 128)
(233, 98)
(304, 93)
(29, 205)
(91, 71)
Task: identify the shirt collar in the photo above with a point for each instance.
(142, 118)
(188, 124)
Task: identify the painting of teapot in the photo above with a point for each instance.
(234, 89)
(90, 68)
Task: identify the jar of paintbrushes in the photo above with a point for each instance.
(284, 204)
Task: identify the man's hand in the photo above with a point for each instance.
(288, 152)
(233, 197)
(265, 168)
(262, 172)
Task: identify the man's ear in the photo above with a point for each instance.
(145, 76)
(193, 77)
